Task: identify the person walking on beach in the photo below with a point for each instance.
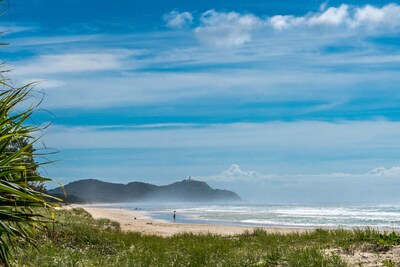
(174, 216)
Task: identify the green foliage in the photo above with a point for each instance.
(29, 159)
(312, 257)
(388, 263)
(379, 241)
(390, 239)
(79, 240)
(18, 197)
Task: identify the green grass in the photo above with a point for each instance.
(79, 240)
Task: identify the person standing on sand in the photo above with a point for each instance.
(174, 216)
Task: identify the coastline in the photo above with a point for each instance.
(139, 221)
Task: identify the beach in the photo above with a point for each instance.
(139, 221)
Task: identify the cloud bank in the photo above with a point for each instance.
(230, 29)
(235, 173)
(394, 171)
(310, 188)
(368, 17)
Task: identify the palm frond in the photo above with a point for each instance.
(18, 199)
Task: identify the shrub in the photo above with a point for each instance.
(19, 197)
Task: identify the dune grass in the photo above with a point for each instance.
(80, 240)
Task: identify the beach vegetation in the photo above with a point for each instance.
(389, 263)
(79, 240)
(21, 192)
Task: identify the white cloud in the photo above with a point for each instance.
(394, 171)
(178, 20)
(7, 29)
(280, 23)
(386, 18)
(156, 87)
(64, 63)
(227, 29)
(235, 172)
(55, 40)
(230, 29)
(331, 17)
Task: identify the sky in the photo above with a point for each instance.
(281, 101)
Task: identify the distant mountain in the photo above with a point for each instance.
(95, 191)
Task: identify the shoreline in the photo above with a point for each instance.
(139, 221)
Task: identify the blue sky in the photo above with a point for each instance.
(160, 90)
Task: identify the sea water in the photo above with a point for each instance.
(277, 215)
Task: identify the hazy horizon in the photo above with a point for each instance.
(378, 186)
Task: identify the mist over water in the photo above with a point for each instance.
(288, 215)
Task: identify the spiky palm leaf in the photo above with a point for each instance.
(18, 199)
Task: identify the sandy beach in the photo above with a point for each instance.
(138, 221)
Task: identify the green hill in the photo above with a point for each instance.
(96, 191)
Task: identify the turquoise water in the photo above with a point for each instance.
(293, 215)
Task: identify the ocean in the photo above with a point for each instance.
(385, 217)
